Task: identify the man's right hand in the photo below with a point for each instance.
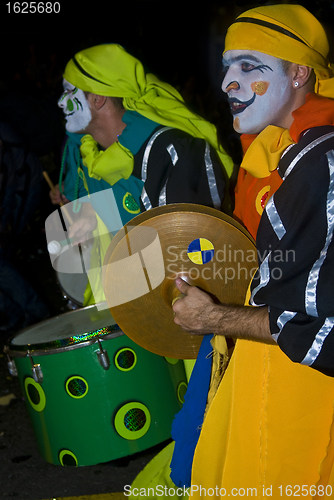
(57, 198)
(81, 230)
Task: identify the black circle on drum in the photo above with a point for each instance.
(35, 394)
(76, 387)
(125, 359)
(132, 420)
(135, 419)
(67, 458)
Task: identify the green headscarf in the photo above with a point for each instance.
(109, 70)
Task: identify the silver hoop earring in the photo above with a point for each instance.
(296, 84)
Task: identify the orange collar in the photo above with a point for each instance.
(262, 152)
(316, 111)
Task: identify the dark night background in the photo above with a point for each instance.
(181, 42)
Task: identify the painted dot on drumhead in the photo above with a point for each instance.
(200, 251)
(125, 359)
(35, 394)
(76, 387)
(132, 421)
(67, 458)
(181, 391)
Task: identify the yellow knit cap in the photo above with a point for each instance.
(288, 32)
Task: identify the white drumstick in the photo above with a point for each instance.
(54, 247)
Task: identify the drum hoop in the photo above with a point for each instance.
(47, 349)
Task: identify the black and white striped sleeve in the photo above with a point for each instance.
(178, 168)
(296, 253)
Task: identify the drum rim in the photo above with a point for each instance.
(23, 351)
(44, 348)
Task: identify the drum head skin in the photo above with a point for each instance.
(68, 329)
(71, 267)
(205, 247)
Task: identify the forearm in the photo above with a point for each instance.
(248, 323)
(197, 313)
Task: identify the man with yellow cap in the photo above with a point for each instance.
(268, 428)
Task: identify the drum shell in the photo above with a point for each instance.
(85, 428)
(71, 275)
(73, 287)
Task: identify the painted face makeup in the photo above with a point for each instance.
(75, 107)
(258, 90)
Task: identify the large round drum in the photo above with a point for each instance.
(93, 395)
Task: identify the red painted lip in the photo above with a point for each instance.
(237, 106)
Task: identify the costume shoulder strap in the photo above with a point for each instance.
(315, 141)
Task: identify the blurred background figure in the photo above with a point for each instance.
(20, 196)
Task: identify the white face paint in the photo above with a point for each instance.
(76, 108)
(258, 90)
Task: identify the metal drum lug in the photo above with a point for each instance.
(72, 306)
(36, 370)
(12, 367)
(103, 357)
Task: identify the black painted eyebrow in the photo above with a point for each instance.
(241, 57)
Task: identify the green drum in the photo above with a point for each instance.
(93, 395)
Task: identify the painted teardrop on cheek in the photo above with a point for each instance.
(260, 88)
(236, 124)
(70, 106)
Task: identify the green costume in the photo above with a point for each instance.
(78, 184)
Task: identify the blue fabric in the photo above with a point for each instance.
(138, 129)
(187, 423)
(71, 170)
(102, 206)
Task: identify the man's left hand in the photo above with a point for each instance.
(194, 310)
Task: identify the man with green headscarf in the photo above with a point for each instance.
(139, 146)
(268, 428)
(137, 127)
